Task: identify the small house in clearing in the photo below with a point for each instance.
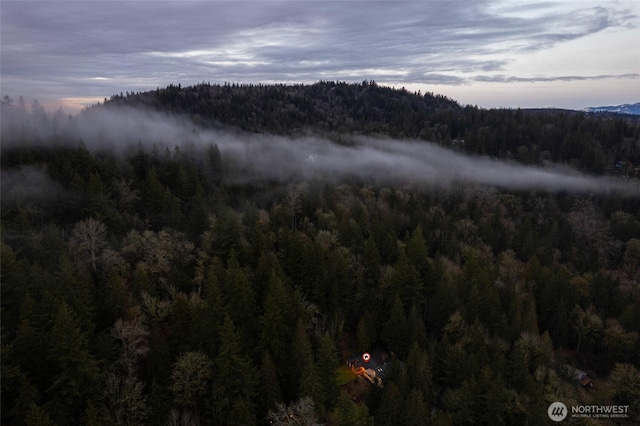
(372, 365)
(580, 376)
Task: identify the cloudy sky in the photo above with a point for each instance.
(568, 54)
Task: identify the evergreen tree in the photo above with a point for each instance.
(421, 376)
(302, 350)
(418, 253)
(235, 375)
(276, 326)
(242, 413)
(416, 411)
(396, 332)
(366, 332)
(406, 282)
(328, 363)
(240, 300)
(77, 375)
(37, 416)
(349, 413)
(391, 410)
(214, 163)
(270, 391)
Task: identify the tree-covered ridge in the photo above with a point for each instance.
(154, 288)
(589, 142)
(330, 107)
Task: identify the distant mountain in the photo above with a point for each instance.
(633, 109)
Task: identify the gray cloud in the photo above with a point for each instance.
(433, 78)
(511, 79)
(62, 48)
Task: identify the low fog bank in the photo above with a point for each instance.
(267, 157)
(28, 185)
(402, 161)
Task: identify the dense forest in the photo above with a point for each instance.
(154, 284)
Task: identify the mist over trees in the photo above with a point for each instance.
(590, 142)
(153, 283)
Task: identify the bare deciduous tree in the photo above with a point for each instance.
(293, 200)
(624, 383)
(125, 391)
(156, 253)
(299, 413)
(126, 195)
(126, 400)
(88, 239)
(591, 229)
(178, 417)
(587, 325)
(132, 334)
(631, 258)
(190, 379)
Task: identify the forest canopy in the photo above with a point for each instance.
(214, 254)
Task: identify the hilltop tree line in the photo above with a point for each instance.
(150, 287)
(590, 142)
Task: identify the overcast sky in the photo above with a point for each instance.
(568, 54)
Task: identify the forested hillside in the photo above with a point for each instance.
(590, 142)
(151, 284)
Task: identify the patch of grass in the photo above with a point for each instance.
(344, 375)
